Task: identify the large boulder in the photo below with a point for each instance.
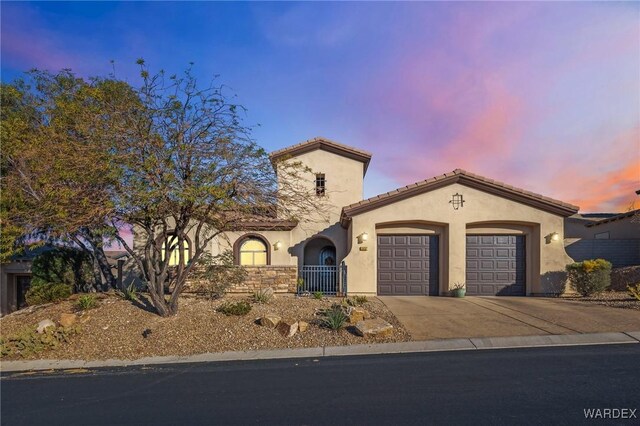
(356, 315)
(270, 320)
(373, 327)
(44, 324)
(287, 327)
(67, 320)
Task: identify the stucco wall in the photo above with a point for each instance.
(482, 213)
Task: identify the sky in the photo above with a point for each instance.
(543, 96)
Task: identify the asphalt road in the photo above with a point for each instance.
(515, 386)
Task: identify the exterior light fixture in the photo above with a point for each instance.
(277, 245)
(555, 236)
(363, 237)
(457, 201)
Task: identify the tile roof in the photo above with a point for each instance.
(468, 179)
(614, 218)
(326, 145)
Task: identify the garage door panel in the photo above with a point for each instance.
(409, 264)
(495, 265)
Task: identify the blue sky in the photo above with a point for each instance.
(544, 96)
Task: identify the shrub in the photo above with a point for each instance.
(318, 295)
(216, 274)
(129, 293)
(590, 276)
(334, 318)
(86, 302)
(63, 265)
(29, 341)
(235, 308)
(42, 293)
(356, 300)
(634, 291)
(262, 296)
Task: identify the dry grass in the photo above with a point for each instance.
(118, 329)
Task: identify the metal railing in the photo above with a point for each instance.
(330, 280)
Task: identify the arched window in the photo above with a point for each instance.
(174, 256)
(253, 252)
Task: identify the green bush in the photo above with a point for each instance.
(215, 274)
(334, 318)
(129, 293)
(29, 341)
(634, 291)
(86, 302)
(318, 295)
(589, 277)
(63, 265)
(356, 300)
(235, 308)
(39, 294)
(262, 296)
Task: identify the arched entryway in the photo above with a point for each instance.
(320, 270)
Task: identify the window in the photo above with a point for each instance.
(174, 258)
(602, 236)
(320, 184)
(253, 252)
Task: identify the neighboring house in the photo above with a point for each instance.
(614, 237)
(421, 239)
(15, 276)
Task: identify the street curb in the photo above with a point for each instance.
(443, 345)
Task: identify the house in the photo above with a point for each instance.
(421, 239)
(611, 236)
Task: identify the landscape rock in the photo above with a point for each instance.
(270, 320)
(303, 326)
(67, 320)
(356, 315)
(287, 327)
(373, 327)
(44, 324)
(367, 315)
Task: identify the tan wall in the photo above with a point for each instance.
(482, 213)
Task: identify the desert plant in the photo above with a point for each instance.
(42, 293)
(318, 295)
(334, 318)
(262, 296)
(356, 300)
(235, 308)
(29, 341)
(459, 290)
(129, 293)
(216, 274)
(300, 283)
(589, 277)
(634, 291)
(86, 302)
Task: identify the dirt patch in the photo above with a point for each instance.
(615, 299)
(117, 329)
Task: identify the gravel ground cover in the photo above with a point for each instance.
(118, 329)
(616, 299)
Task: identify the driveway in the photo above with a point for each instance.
(447, 317)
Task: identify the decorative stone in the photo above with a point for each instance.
(373, 327)
(67, 320)
(287, 327)
(270, 320)
(367, 314)
(44, 324)
(356, 315)
(303, 326)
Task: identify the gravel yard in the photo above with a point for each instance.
(615, 299)
(116, 329)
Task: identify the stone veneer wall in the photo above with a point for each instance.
(282, 279)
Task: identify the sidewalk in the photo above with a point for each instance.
(481, 343)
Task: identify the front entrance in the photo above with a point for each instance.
(408, 265)
(23, 282)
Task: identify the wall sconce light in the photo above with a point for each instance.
(277, 245)
(363, 237)
(457, 201)
(555, 236)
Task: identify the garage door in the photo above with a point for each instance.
(495, 265)
(407, 265)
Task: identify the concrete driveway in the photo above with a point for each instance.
(447, 317)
